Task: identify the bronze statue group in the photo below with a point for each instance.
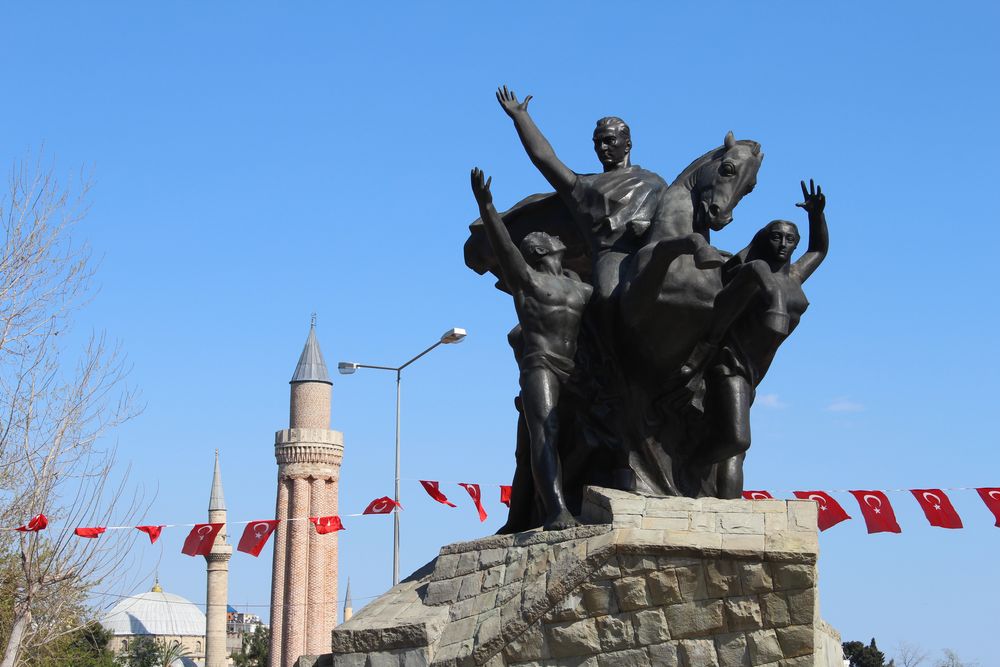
(639, 344)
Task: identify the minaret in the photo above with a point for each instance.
(304, 575)
(218, 578)
(348, 606)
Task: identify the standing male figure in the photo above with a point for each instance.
(549, 305)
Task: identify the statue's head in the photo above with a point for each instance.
(775, 242)
(536, 246)
(724, 180)
(612, 141)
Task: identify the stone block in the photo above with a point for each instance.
(442, 592)
(792, 542)
(802, 606)
(796, 640)
(789, 576)
(775, 523)
(722, 578)
(650, 627)
(702, 522)
(608, 570)
(753, 543)
(529, 645)
(763, 646)
(774, 610)
(743, 613)
(414, 658)
(691, 540)
(350, 659)
(471, 585)
(598, 599)
(769, 506)
(802, 515)
(698, 653)
(700, 618)
(664, 655)
(691, 581)
(630, 658)
(637, 564)
(663, 588)
(383, 660)
(615, 632)
(741, 523)
(491, 557)
(570, 608)
(493, 577)
(488, 628)
(571, 639)
(459, 631)
(467, 562)
(445, 567)
(664, 523)
(731, 650)
(755, 578)
(631, 593)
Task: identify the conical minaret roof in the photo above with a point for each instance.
(216, 501)
(311, 366)
(347, 597)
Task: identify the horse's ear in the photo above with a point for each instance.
(730, 140)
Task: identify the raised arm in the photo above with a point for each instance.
(535, 144)
(512, 264)
(819, 237)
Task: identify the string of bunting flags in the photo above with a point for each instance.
(875, 508)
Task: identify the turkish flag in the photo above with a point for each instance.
(830, 512)
(92, 533)
(35, 524)
(937, 507)
(991, 496)
(476, 495)
(383, 505)
(152, 531)
(434, 492)
(327, 524)
(877, 511)
(201, 538)
(255, 536)
(757, 495)
(505, 494)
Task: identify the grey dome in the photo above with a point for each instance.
(155, 613)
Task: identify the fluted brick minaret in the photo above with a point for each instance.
(217, 563)
(304, 575)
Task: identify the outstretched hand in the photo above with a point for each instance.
(481, 187)
(508, 100)
(814, 199)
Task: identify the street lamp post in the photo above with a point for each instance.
(348, 367)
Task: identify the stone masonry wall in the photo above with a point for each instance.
(655, 581)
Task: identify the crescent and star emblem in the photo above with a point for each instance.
(380, 507)
(260, 529)
(878, 501)
(757, 495)
(819, 499)
(936, 502)
(995, 495)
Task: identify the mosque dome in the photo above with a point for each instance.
(155, 613)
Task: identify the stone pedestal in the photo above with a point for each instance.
(651, 582)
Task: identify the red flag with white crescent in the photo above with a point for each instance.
(90, 532)
(476, 495)
(201, 538)
(255, 536)
(383, 505)
(433, 490)
(505, 492)
(937, 508)
(757, 495)
(991, 496)
(152, 531)
(877, 511)
(830, 512)
(327, 524)
(35, 524)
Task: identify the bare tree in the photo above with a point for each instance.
(910, 655)
(56, 403)
(951, 659)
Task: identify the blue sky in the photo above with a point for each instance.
(254, 164)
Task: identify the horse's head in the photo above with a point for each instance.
(720, 183)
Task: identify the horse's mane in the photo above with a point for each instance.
(711, 155)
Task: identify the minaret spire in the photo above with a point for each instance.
(216, 501)
(348, 605)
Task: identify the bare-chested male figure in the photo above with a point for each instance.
(549, 305)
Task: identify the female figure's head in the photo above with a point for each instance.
(775, 243)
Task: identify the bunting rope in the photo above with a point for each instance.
(874, 505)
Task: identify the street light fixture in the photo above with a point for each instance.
(449, 337)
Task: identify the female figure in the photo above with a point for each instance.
(757, 309)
